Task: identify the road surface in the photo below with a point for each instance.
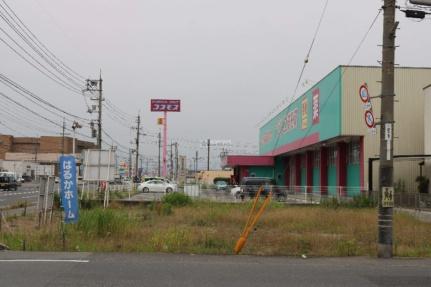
(26, 192)
(90, 269)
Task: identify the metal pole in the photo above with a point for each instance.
(176, 161)
(137, 146)
(165, 142)
(160, 146)
(73, 144)
(208, 163)
(386, 129)
(99, 123)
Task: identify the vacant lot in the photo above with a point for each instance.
(213, 228)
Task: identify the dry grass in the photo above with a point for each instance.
(212, 228)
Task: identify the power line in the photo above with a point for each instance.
(37, 49)
(59, 81)
(336, 84)
(307, 57)
(21, 90)
(77, 75)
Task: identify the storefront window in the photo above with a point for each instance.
(316, 161)
(353, 153)
(332, 156)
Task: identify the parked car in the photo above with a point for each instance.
(221, 185)
(236, 191)
(251, 185)
(8, 183)
(156, 185)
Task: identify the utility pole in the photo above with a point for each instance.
(386, 131)
(130, 162)
(209, 145)
(176, 161)
(160, 146)
(172, 162)
(62, 136)
(138, 133)
(96, 86)
(196, 159)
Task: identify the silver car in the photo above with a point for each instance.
(156, 185)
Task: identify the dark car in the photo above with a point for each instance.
(251, 185)
(8, 183)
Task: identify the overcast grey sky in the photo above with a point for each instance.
(229, 62)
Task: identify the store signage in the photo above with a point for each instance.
(304, 113)
(68, 188)
(216, 143)
(161, 105)
(316, 106)
(289, 122)
(305, 120)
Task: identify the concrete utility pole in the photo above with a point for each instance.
(62, 136)
(196, 159)
(209, 145)
(386, 131)
(96, 86)
(176, 161)
(160, 146)
(130, 162)
(138, 133)
(99, 121)
(171, 157)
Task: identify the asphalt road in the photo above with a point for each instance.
(26, 192)
(87, 269)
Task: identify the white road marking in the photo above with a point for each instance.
(45, 260)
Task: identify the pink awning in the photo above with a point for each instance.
(249, 160)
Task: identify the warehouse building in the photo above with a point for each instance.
(327, 140)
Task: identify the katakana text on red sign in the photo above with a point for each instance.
(160, 105)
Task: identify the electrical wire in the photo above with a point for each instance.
(26, 93)
(77, 75)
(307, 57)
(336, 84)
(40, 52)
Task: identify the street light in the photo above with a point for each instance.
(75, 126)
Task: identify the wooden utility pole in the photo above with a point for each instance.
(386, 132)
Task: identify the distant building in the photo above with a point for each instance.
(18, 152)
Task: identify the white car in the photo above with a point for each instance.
(157, 185)
(236, 191)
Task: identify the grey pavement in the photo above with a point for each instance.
(113, 269)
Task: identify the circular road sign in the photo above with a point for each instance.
(369, 119)
(363, 93)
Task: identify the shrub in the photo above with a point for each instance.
(177, 199)
(359, 201)
(423, 183)
(102, 222)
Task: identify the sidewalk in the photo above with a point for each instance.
(419, 214)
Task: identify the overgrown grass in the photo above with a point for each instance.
(213, 228)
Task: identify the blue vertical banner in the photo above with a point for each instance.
(68, 188)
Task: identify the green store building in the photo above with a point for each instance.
(327, 140)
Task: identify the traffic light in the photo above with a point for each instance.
(160, 121)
